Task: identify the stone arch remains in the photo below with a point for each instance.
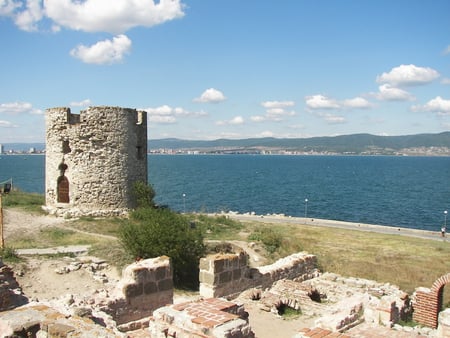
(429, 302)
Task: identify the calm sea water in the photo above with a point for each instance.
(408, 192)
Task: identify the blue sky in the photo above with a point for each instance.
(229, 68)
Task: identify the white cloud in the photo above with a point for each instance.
(445, 81)
(408, 75)
(114, 17)
(211, 95)
(104, 52)
(447, 50)
(111, 16)
(437, 105)
(28, 18)
(16, 107)
(321, 102)
(6, 124)
(237, 120)
(258, 118)
(331, 118)
(389, 93)
(84, 103)
(7, 7)
(166, 114)
(277, 104)
(357, 103)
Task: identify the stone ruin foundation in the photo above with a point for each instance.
(210, 317)
(143, 300)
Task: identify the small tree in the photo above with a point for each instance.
(155, 232)
(144, 195)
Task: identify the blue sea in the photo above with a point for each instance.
(410, 192)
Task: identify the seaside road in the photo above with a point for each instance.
(281, 219)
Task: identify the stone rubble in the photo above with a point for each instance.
(139, 305)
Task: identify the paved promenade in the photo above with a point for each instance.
(281, 219)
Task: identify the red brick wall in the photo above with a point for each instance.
(429, 302)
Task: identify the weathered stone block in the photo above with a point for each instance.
(205, 264)
(165, 284)
(207, 277)
(161, 272)
(225, 277)
(150, 287)
(219, 265)
(133, 290)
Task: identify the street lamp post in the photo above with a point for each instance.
(306, 207)
(184, 203)
(445, 219)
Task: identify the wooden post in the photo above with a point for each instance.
(2, 240)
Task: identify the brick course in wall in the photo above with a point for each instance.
(428, 302)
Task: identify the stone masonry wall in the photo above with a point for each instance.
(145, 286)
(228, 274)
(10, 293)
(93, 159)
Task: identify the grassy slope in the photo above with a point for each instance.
(404, 261)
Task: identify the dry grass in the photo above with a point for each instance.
(404, 261)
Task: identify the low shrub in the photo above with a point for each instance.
(155, 232)
(271, 239)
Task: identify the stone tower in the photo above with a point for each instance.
(93, 160)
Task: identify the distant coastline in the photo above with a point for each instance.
(355, 144)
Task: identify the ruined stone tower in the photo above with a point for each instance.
(93, 160)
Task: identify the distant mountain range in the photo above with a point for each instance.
(419, 144)
(352, 144)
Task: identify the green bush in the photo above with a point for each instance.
(144, 195)
(270, 238)
(155, 232)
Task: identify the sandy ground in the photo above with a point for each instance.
(37, 275)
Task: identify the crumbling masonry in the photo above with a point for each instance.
(93, 159)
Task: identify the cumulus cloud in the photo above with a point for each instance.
(447, 50)
(275, 111)
(237, 120)
(437, 105)
(331, 118)
(84, 103)
(277, 104)
(357, 103)
(104, 52)
(7, 124)
(321, 102)
(408, 75)
(114, 17)
(211, 95)
(16, 108)
(8, 7)
(258, 118)
(388, 93)
(28, 18)
(167, 115)
(445, 81)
